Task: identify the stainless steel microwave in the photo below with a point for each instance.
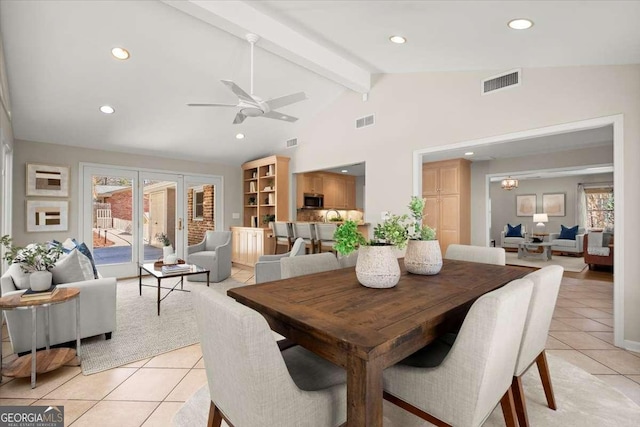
(313, 201)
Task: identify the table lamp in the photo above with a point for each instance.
(540, 218)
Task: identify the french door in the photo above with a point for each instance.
(125, 212)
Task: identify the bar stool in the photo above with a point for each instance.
(307, 232)
(324, 234)
(282, 234)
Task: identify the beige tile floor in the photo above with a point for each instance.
(149, 392)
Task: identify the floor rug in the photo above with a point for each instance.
(140, 332)
(574, 264)
(583, 401)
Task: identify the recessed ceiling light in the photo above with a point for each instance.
(107, 109)
(120, 53)
(397, 39)
(520, 24)
(469, 153)
(283, 117)
(240, 136)
(344, 171)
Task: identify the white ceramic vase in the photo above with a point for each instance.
(40, 280)
(423, 257)
(166, 251)
(377, 267)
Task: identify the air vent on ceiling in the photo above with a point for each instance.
(365, 121)
(293, 142)
(503, 81)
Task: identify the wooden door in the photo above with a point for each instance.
(351, 193)
(430, 181)
(449, 221)
(449, 179)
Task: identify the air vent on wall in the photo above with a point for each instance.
(365, 121)
(502, 81)
(292, 142)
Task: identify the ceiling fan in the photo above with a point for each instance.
(253, 106)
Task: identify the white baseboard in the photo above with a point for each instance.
(632, 345)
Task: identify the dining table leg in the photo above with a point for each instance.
(364, 392)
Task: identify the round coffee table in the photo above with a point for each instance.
(43, 360)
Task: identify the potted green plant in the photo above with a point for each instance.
(37, 259)
(423, 255)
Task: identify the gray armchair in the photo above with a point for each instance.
(267, 268)
(214, 254)
(97, 314)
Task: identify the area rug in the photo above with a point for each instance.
(141, 333)
(573, 264)
(583, 401)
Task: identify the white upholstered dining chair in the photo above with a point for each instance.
(476, 373)
(485, 255)
(308, 264)
(252, 383)
(546, 285)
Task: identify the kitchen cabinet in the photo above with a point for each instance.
(266, 190)
(249, 243)
(339, 191)
(312, 183)
(446, 187)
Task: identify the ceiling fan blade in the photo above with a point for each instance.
(239, 119)
(279, 116)
(282, 101)
(239, 92)
(211, 105)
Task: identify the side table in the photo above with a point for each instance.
(44, 360)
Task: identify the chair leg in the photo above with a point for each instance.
(215, 416)
(508, 409)
(545, 376)
(413, 410)
(519, 400)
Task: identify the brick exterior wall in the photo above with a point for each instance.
(197, 228)
(121, 204)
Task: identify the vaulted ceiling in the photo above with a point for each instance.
(60, 69)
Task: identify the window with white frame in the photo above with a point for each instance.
(198, 204)
(599, 203)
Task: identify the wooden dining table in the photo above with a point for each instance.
(366, 330)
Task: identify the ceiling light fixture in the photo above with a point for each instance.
(107, 109)
(397, 39)
(509, 183)
(469, 153)
(120, 53)
(344, 171)
(240, 136)
(520, 24)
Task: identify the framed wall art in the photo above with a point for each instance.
(525, 205)
(553, 204)
(47, 180)
(47, 215)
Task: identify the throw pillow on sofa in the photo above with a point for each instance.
(514, 231)
(568, 233)
(72, 268)
(70, 244)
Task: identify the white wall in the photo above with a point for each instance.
(36, 152)
(503, 202)
(422, 110)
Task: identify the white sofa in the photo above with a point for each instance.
(565, 245)
(511, 242)
(97, 314)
